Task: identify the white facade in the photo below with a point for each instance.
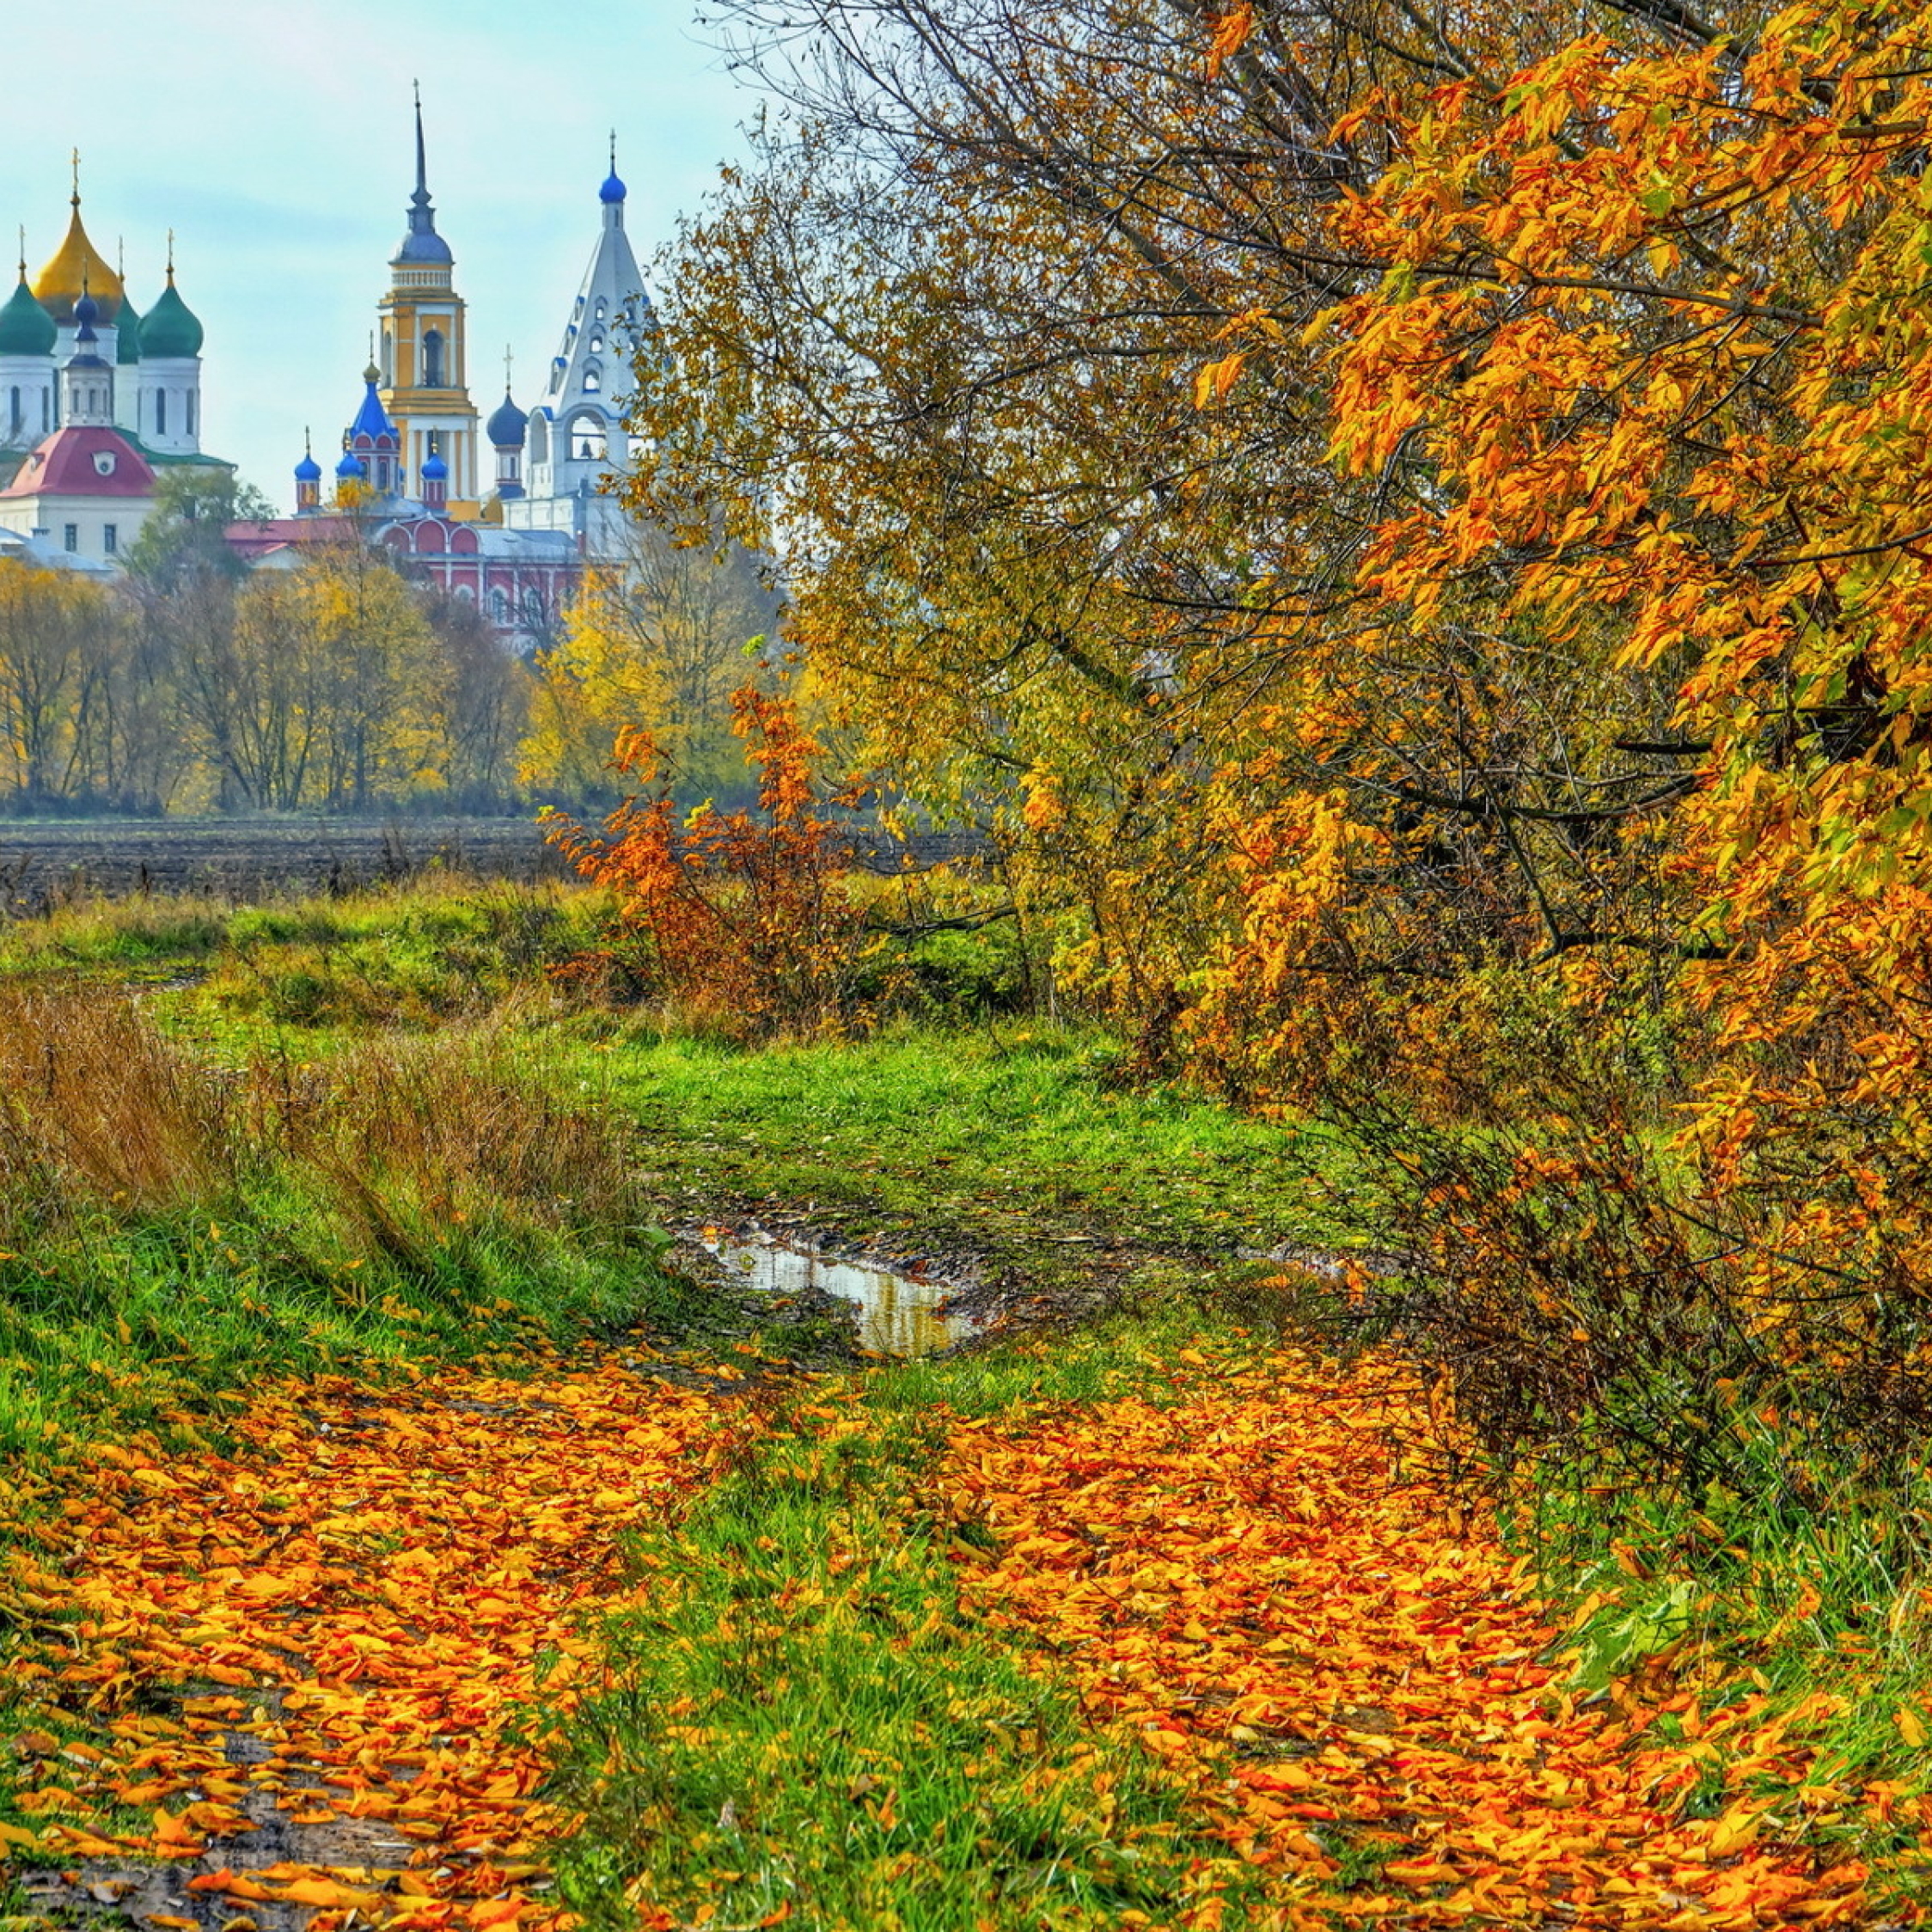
(90, 532)
(576, 439)
(27, 400)
(168, 418)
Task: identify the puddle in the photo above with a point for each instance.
(897, 1315)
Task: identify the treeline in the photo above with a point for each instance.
(1411, 527)
(342, 685)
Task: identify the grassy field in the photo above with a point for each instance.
(370, 1135)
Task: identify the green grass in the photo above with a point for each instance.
(1013, 1142)
(417, 954)
(808, 1721)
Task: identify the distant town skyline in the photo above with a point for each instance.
(278, 145)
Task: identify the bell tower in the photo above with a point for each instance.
(424, 356)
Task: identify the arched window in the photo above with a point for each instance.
(432, 360)
(585, 438)
(593, 379)
(597, 344)
(161, 412)
(533, 608)
(18, 420)
(499, 607)
(599, 309)
(187, 409)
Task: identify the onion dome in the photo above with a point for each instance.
(612, 189)
(308, 470)
(26, 328)
(171, 328)
(349, 470)
(507, 425)
(127, 336)
(77, 268)
(436, 470)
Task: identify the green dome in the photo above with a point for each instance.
(127, 336)
(170, 328)
(26, 328)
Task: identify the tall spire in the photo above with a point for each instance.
(422, 242)
(422, 194)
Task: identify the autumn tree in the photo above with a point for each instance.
(659, 639)
(58, 643)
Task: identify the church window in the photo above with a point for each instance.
(599, 309)
(18, 422)
(71, 537)
(593, 380)
(432, 360)
(161, 412)
(110, 538)
(188, 410)
(47, 410)
(597, 342)
(533, 608)
(499, 607)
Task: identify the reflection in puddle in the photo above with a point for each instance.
(897, 1315)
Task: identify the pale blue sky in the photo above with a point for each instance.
(276, 140)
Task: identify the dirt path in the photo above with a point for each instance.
(309, 1656)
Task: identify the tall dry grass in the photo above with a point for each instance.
(100, 1112)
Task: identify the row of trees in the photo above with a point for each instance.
(1413, 521)
(342, 685)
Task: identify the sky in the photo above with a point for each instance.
(277, 141)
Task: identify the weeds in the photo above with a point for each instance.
(171, 1227)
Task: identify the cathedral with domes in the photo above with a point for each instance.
(509, 512)
(96, 401)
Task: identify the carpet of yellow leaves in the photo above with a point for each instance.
(309, 1664)
(1354, 1672)
(318, 1645)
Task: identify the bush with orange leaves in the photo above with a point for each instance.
(751, 922)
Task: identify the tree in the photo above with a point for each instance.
(659, 639)
(483, 703)
(57, 635)
(183, 534)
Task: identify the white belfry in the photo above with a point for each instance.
(575, 437)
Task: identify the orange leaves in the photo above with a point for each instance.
(747, 917)
(1343, 1669)
(1216, 379)
(379, 1578)
(1231, 27)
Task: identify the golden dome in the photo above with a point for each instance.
(77, 265)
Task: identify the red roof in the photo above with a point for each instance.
(92, 462)
(251, 541)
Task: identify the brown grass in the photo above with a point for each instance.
(99, 1110)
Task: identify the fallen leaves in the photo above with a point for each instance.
(318, 1649)
(1368, 1692)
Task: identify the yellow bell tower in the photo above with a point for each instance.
(424, 361)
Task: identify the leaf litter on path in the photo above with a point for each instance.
(306, 1666)
(306, 1669)
(1365, 1686)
